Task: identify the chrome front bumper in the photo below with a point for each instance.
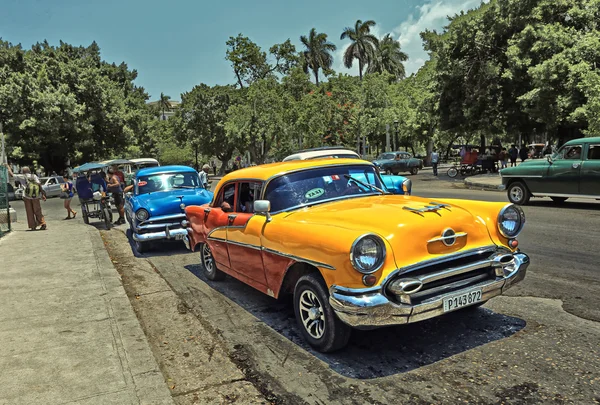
(370, 308)
(177, 234)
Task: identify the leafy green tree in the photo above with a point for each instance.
(388, 57)
(317, 53)
(362, 47)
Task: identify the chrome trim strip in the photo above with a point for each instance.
(275, 252)
(525, 176)
(443, 238)
(158, 226)
(565, 195)
(246, 245)
(299, 259)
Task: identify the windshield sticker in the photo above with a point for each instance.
(142, 183)
(314, 193)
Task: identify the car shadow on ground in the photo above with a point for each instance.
(592, 205)
(380, 352)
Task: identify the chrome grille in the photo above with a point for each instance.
(446, 275)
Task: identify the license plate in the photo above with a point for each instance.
(462, 300)
(179, 237)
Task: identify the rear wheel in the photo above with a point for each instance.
(208, 264)
(414, 170)
(559, 200)
(452, 172)
(86, 219)
(317, 321)
(518, 193)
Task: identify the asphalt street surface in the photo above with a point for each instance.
(538, 344)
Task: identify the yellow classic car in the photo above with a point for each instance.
(352, 254)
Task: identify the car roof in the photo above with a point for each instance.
(595, 139)
(165, 169)
(314, 153)
(143, 160)
(264, 172)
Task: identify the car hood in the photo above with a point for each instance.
(407, 232)
(168, 202)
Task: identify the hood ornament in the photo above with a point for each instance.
(429, 208)
(448, 237)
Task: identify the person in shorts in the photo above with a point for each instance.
(114, 186)
(67, 195)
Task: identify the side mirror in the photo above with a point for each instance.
(263, 207)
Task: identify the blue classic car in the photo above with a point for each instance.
(394, 184)
(155, 209)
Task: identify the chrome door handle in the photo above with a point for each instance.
(231, 217)
(206, 210)
(575, 165)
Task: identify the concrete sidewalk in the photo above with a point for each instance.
(485, 181)
(69, 333)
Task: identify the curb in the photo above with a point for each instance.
(485, 186)
(144, 373)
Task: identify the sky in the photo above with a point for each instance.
(177, 44)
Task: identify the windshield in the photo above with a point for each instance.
(384, 156)
(167, 181)
(568, 152)
(314, 186)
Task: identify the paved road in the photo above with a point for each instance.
(539, 344)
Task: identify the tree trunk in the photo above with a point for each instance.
(316, 72)
(360, 68)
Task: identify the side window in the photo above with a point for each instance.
(571, 152)
(51, 182)
(594, 152)
(227, 197)
(61, 180)
(248, 193)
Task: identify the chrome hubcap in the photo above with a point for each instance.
(311, 314)
(516, 193)
(207, 259)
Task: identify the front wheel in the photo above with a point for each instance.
(518, 193)
(141, 247)
(389, 172)
(414, 170)
(208, 264)
(452, 172)
(86, 219)
(319, 324)
(107, 217)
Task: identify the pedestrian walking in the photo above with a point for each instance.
(513, 153)
(435, 158)
(31, 198)
(523, 153)
(67, 195)
(214, 166)
(503, 157)
(114, 187)
(204, 176)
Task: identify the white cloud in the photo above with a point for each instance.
(432, 15)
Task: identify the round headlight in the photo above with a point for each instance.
(367, 254)
(142, 214)
(511, 220)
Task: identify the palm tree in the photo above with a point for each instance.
(362, 47)
(389, 58)
(164, 104)
(317, 54)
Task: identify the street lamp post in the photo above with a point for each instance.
(396, 146)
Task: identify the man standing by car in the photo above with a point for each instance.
(513, 153)
(523, 153)
(435, 158)
(204, 176)
(119, 174)
(114, 186)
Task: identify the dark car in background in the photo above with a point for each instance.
(398, 162)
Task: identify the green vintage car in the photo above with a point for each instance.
(573, 171)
